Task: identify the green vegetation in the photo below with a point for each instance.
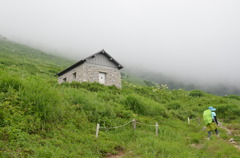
(39, 118)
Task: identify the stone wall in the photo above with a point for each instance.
(90, 73)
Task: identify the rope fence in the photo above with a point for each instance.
(144, 124)
(134, 124)
(197, 118)
(117, 126)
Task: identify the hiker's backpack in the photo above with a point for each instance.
(207, 117)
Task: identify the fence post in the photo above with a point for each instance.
(97, 130)
(188, 120)
(198, 121)
(134, 124)
(156, 129)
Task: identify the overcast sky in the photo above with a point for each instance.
(190, 38)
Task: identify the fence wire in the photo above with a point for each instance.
(116, 126)
(145, 124)
(107, 128)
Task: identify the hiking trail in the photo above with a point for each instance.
(230, 132)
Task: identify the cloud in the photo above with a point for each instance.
(189, 39)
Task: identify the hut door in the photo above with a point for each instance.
(102, 77)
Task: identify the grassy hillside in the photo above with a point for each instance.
(39, 118)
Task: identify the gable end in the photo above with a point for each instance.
(100, 58)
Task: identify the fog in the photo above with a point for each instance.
(192, 40)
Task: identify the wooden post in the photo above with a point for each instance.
(198, 121)
(97, 130)
(188, 120)
(156, 129)
(134, 124)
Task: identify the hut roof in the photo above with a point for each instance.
(119, 66)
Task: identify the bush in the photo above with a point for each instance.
(93, 87)
(174, 105)
(197, 93)
(233, 97)
(145, 106)
(228, 112)
(135, 104)
(42, 99)
(10, 83)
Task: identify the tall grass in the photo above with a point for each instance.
(42, 98)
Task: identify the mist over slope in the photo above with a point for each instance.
(40, 118)
(145, 77)
(185, 39)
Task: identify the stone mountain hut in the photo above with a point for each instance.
(99, 67)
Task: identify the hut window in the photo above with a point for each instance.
(64, 79)
(74, 75)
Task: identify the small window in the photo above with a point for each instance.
(74, 75)
(64, 79)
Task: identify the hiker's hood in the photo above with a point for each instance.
(212, 108)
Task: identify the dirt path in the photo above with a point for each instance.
(198, 146)
(230, 132)
(119, 155)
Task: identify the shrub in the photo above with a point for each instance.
(135, 104)
(93, 87)
(174, 105)
(10, 82)
(233, 97)
(42, 99)
(228, 112)
(197, 93)
(145, 106)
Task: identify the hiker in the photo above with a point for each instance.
(210, 120)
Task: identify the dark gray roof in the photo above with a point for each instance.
(119, 66)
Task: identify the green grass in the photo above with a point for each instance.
(39, 118)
